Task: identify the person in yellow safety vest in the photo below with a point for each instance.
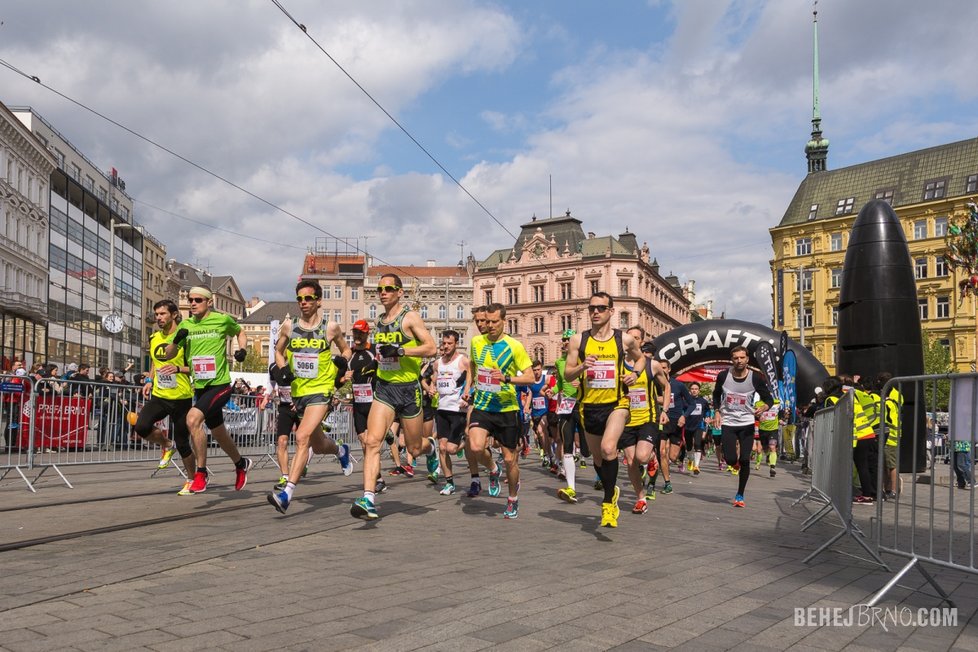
(864, 450)
(891, 417)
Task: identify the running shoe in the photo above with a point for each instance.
(614, 502)
(891, 495)
(432, 459)
(460, 453)
(734, 469)
(432, 478)
(608, 518)
(689, 465)
(363, 508)
(554, 468)
(567, 495)
(199, 485)
(166, 457)
(773, 472)
(864, 500)
(474, 489)
(241, 474)
(448, 489)
(389, 438)
(525, 451)
(667, 489)
(397, 470)
(381, 487)
(343, 457)
(408, 470)
(598, 486)
(650, 494)
(494, 483)
(186, 489)
(696, 470)
(757, 466)
(738, 501)
(583, 463)
(279, 500)
(640, 506)
(512, 508)
(282, 481)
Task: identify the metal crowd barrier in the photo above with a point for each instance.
(933, 523)
(831, 485)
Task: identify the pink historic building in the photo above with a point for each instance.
(546, 279)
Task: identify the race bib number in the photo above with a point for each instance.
(485, 383)
(735, 400)
(539, 403)
(672, 400)
(363, 393)
(566, 405)
(388, 364)
(698, 410)
(770, 415)
(638, 398)
(601, 375)
(305, 365)
(445, 383)
(166, 381)
(205, 367)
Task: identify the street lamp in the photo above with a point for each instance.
(113, 322)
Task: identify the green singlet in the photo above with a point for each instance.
(403, 369)
(207, 347)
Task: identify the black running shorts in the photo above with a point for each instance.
(450, 426)
(631, 435)
(403, 398)
(309, 400)
(211, 401)
(594, 416)
(504, 427)
(360, 413)
(286, 420)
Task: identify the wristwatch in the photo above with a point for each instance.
(400, 351)
(507, 379)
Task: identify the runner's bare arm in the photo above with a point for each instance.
(335, 333)
(283, 340)
(415, 327)
(660, 377)
(575, 366)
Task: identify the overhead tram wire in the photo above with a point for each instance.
(404, 130)
(146, 139)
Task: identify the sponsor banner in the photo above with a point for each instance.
(59, 422)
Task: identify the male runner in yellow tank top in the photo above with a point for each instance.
(401, 340)
(604, 392)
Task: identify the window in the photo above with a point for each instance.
(75, 172)
(89, 183)
(623, 320)
(943, 307)
(845, 206)
(354, 316)
(443, 312)
(337, 316)
(806, 318)
(372, 311)
(512, 326)
(103, 194)
(565, 323)
(565, 291)
(971, 185)
(337, 291)
(460, 312)
(623, 287)
(922, 307)
(803, 246)
(835, 278)
(804, 283)
(920, 268)
(594, 287)
(512, 296)
(424, 312)
(538, 353)
(354, 293)
(538, 325)
(812, 211)
(934, 189)
(835, 315)
(835, 242)
(538, 294)
(945, 342)
(487, 295)
(940, 227)
(326, 292)
(885, 195)
(940, 266)
(920, 229)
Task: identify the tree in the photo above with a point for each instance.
(252, 363)
(937, 360)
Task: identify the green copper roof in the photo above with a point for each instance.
(905, 175)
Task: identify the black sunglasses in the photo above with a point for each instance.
(597, 308)
(196, 299)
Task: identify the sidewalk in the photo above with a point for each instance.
(146, 569)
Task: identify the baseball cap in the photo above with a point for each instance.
(361, 325)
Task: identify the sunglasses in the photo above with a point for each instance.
(597, 308)
(306, 297)
(196, 299)
(388, 288)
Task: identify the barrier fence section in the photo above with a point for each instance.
(933, 522)
(15, 392)
(831, 460)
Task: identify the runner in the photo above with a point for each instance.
(498, 364)
(452, 385)
(286, 422)
(479, 317)
(568, 420)
(732, 394)
(767, 427)
(402, 339)
(172, 393)
(206, 332)
(538, 404)
(673, 433)
(716, 433)
(640, 436)
(600, 355)
(363, 372)
(695, 424)
(305, 363)
(429, 397)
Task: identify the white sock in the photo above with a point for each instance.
(289, 488)
(570, 469)
(369, 495)
(696, 459)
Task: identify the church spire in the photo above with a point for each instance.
(817, 149)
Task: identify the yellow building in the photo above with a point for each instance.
(928, 189)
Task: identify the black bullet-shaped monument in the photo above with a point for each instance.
(879, 320)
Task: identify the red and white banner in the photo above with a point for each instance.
(59, 422)
(706, 374)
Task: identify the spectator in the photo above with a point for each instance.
(10, 406)
(111, 412)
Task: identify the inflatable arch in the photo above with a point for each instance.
(706, 342)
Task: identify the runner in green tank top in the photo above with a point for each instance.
(304, 361)
(401, 340)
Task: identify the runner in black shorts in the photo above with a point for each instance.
(452, 384)
(362, 374)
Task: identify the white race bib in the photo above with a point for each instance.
(638, 398)
(166, 381)
(305, 365)
(445, 383)
(484, 381)
(363, 393)
(539, 403)
(205, 367)
(388, 364)
(735, 400)
(566, 405)
(601, 375)
(698, 410)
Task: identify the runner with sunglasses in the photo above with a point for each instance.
(206, 333)
(401, 341)
(304, 359)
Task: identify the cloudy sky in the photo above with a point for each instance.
(684, 121)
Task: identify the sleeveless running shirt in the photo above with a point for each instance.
(311, 360)
(403, 369)
(173, 386)
(601, 383)
(641, 398)
(736, 404)
(449, 381)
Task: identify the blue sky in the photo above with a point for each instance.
(684, 120)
